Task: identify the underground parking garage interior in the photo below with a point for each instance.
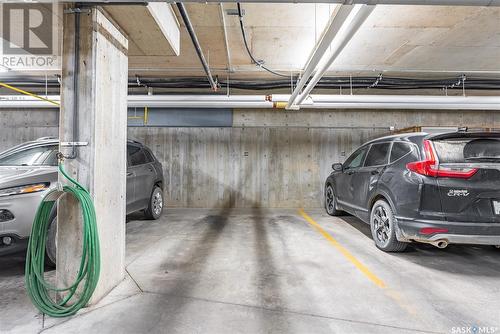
(250, 167)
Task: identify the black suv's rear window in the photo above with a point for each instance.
(467, 150)
(399, 150)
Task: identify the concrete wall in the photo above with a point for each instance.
(272, 158)
(20, 125)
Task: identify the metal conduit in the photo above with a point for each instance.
(196, 44)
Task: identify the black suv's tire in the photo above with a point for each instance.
(50, 244)
(331, 201)
(383, 227)
(155, 207)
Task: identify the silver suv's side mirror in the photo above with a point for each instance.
(337, 167)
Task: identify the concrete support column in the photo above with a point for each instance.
(101, 166)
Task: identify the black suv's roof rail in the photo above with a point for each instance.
(463, 134)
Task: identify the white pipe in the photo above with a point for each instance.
(321, 47)
(264, 102)
(199, 101)
(347, 31)
(21, 101)
(407, 102)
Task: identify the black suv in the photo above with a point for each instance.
(417, 187)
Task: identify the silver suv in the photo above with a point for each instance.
(29, 170)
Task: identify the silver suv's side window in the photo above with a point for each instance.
(136, 155)
(149, 156)
(33, 156)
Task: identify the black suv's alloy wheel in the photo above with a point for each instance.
(382, 224)
(331, 202)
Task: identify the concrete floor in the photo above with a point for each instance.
(271, 271)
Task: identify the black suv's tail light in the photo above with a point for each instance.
(430, 167)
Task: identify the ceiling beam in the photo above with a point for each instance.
(165, 18)
(336, 22)
(344, 34)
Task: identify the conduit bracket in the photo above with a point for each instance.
(234, 12)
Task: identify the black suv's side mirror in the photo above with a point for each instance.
(337, 167)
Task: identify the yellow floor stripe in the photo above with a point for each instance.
(361, 267)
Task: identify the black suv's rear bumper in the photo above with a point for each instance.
(458, 232)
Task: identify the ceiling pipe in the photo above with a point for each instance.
(355, 20)
(402, 102)
(482, 3)
(336, 22)
(196, 44)
(226, 42)
(200, 101)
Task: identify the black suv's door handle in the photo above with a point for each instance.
(374, 172)
(130, 174)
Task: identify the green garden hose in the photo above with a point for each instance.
(39, 290)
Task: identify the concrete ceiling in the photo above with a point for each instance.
(393, 39)
(145, 37)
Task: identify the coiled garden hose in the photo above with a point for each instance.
(39, 290)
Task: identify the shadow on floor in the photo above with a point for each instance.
(12, 264)
(464, 259)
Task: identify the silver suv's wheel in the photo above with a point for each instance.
(383, 229)
(155, 207)
(51, 244)
(331, 202)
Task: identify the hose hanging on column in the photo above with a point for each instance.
(39, 290)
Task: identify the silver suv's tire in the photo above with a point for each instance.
(51, 244)
(382, 224)
(155, 207)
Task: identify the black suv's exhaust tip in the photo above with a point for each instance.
(440, 243)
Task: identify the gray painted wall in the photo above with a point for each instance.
(270, 158)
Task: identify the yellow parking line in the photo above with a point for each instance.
(361, 267)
